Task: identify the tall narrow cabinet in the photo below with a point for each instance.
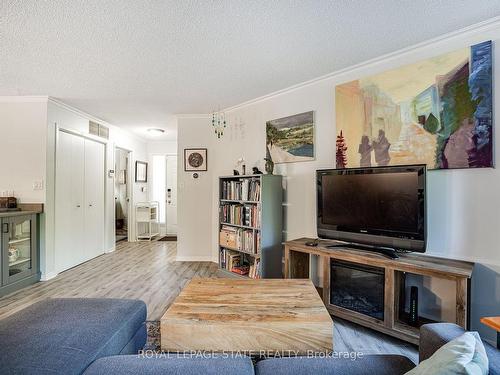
(251, 226)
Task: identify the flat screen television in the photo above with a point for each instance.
(376, 208)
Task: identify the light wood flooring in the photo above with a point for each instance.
(148, 271)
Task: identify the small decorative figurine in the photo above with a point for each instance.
(269, 162)
(255, 170)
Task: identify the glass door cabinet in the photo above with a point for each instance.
(18, 248)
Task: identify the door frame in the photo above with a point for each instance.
(164, 155)
(130, 195)
(166, 183)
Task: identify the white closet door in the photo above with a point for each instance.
(69, 198)
(94, 197)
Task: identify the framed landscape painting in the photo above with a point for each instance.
(291, 139)
(436, 112)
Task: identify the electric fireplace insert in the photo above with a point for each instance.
(357, 287)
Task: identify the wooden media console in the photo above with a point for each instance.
(392, 319)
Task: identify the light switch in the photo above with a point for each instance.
(38, 185)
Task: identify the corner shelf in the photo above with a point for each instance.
(235, 191)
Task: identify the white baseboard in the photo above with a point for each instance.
(194, 258)
(110, 250)
(48, 276)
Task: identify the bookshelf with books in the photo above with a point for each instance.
(250, 226)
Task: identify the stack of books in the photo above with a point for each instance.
(230, 259)
(248, 214)
(254, 191)
(245, 240)
(244, 189)
(241, 270)
(235, 262)
(254, 270)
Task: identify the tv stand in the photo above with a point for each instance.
(387, 251)
(315, 263)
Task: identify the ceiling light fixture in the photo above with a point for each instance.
(156, 131)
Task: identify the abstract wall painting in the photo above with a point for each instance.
(437, 112)
(291, 139)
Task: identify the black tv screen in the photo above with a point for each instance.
(379, 206)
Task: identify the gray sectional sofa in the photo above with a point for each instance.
(103, 336)
(64, 336)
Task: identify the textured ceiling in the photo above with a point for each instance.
(137, 63)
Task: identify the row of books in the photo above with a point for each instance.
(245, 240)
(237, 263)
(242, 190)
(246, 214)
(254, 270)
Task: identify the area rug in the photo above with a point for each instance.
(153, 339)
(168, 238)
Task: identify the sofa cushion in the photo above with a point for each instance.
(433, 336)
(64, 336)
(365, 365)
(493, 359)
(137, 342)
(463, 355)
(171, 364)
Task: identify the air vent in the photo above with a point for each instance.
(98, 130)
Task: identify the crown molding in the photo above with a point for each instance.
(90, 117)
(24, 99)
(77, 111)
(194, 115)
(469, 31)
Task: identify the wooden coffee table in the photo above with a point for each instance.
(256, 316)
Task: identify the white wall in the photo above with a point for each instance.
(464, 205)
(23, 134)
(162, 147)
(195, 214)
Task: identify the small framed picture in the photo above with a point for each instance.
(141, 171)
(195, 159)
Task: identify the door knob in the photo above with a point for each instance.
(90, 205)
(78, 206)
